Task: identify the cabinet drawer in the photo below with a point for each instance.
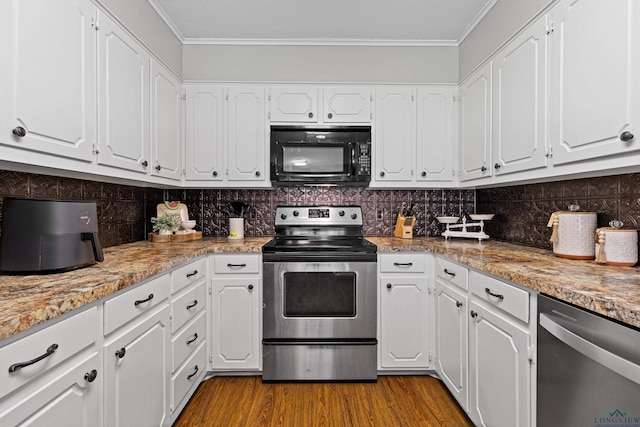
(186, 341)
(506, 297)
(236, 264)
(123, 308)
(452, 272)
(188, 274)
(188, 377)
(402, 263)
(187, 305)
(61, 340)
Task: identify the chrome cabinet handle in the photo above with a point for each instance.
(626, 136)
(19, 131)
(195, 337)
(193, 304)
(142, 301)
(487, 290)
(450, 273)
(17, 366)
(91, 376)
(193, 374)
(192, 274)
(120, 353)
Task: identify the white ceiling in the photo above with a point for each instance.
(369, 22)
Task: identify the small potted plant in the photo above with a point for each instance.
(165, 224)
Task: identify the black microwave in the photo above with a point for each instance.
(320, 155)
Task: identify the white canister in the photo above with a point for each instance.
(236, 228)
(615, 246)
(573, 233)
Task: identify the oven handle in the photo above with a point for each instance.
(604, 357)
(354, 341)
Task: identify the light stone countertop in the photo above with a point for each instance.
(27, 301)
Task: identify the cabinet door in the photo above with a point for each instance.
(404, 332)
(475, 125)
(434, 147)
(123, 79)
(235, 324)
(204, 133)
(72, 399)
(48, 69)
(166, 123)
(246, 134)
(137, 374)
(395, 108)
(347, 105)
(451, 340)
(594, 79)
(520, 102)
(294, 104)
(499, 370)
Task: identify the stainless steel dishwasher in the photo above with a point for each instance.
(588, 368)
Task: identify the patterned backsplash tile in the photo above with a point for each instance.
(522, 211)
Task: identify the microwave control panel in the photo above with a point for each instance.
(363, 159)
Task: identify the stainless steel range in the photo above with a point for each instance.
(319, 311)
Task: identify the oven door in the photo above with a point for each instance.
(319, 300)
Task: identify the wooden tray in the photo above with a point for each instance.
(157, 238)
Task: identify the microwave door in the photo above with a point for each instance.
(316, 160)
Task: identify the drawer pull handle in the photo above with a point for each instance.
(194, 373)
(195, 337)
(450, 273)
(120, 353)
(17, 366)
(236, 265)
(192, 274)
(458, 304)
(142, 301)
(474, 314)
(193, 304)
(487, 290)
(91, 376)
(403, 264)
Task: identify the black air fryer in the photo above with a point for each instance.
(48, 236)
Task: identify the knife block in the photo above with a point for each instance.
(404, 227)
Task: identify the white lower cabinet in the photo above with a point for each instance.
(451, 333)
(404, 338)
(136, 365)
(235, 312)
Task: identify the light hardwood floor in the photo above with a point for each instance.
(392, 401)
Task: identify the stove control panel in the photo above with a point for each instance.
(320, 215)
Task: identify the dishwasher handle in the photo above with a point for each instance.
(604, 357)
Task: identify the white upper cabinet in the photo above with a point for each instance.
(475, 125)
(247, 134)
(123, 73)
(48, 84)
(347, 105)
(594, 79)
(294, 104)
(394, 137)
(435, 143)
(166, 123)
(520, 102)
(204, 133)
(301, 104)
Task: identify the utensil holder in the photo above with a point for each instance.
(236, 228)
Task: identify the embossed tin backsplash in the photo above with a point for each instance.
(522, 211)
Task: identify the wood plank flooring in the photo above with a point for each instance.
(392, 401)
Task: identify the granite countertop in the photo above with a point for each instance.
(611, 291)
(26, 301)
